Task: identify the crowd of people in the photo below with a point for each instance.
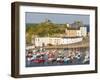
(42, 57)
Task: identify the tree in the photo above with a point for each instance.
(43, 29)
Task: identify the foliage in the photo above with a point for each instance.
(43, 29)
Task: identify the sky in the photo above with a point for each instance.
(32, 17)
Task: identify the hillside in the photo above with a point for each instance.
(46, 28)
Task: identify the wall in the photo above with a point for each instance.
(5, 40)
(55, 41)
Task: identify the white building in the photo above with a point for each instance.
(44, 41)
(82, 31)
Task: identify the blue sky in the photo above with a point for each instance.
(32, 17)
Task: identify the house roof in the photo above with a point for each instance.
(75, 26)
